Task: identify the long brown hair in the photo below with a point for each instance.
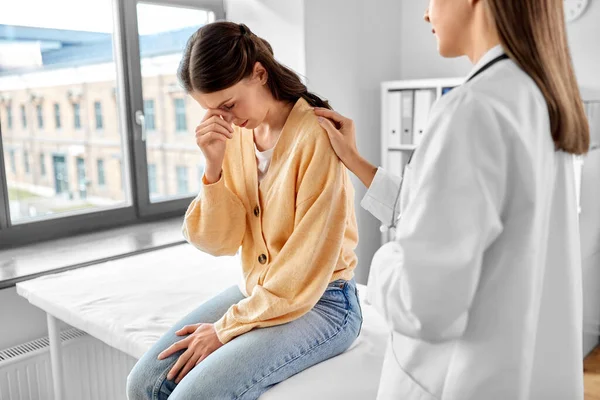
(221, 54)
(533, 34)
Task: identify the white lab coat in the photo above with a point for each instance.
(482, 286)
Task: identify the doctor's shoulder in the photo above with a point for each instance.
(469, 115)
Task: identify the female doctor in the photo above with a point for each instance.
(482, 285)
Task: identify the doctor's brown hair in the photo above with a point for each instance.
(533, 34)
(221, 54)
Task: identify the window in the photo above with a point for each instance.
(98, 112)
(152, 183)
(149, 114)
(77, 116)
(180, 121)
(182, 180)
(200, 175)
(101, 175)
(42, 164)
(13, 162)
(40, 116)
(26, 161)
(9, 117)
(57, 115)
(23, 116)
(73, 76)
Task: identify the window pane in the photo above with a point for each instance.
(180, 121)
(9, 119)
(182, 180)
(58, 66)
(23, 116)
(77, 116)
(101, 176)
(26, 161)
(200, 175)
(40, 116)
(170, 115)
(152, 182)
(13, 162)
(98, 111)
(149, 114)
(42, 164)
(57, 115)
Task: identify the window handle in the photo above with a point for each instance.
(141, 121)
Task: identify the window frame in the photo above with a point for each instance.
(146, 207)
(140, 209)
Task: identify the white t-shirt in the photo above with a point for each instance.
(263, 160)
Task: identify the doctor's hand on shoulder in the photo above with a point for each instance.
(342, 135)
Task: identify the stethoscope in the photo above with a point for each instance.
(395, 218)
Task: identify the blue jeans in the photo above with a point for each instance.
(252, 363)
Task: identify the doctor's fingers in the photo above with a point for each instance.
(332, 131)
(342, 144)
(339, 120)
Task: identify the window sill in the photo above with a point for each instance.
(60, 255)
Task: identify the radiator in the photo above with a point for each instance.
(92, 369)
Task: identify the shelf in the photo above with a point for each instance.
(405, 147)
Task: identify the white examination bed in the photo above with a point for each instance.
(129, 303)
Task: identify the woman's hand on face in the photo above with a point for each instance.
(211, 136)
(341, 132)
(202, 341)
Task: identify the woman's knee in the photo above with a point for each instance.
(143, 379)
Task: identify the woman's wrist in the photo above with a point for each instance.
(212, 175)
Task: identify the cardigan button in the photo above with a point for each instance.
(262, 259)
(256, 211)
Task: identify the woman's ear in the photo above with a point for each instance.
(260, 74)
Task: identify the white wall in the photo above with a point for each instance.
(585, 51)
(419, 56)
(420, 59)
(280, 22)
(347, 56)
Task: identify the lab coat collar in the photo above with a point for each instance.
(487, 57)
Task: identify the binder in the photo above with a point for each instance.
(395, 162)
(423, 101)
(406, 136)
(395, 165)
(394, 101)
